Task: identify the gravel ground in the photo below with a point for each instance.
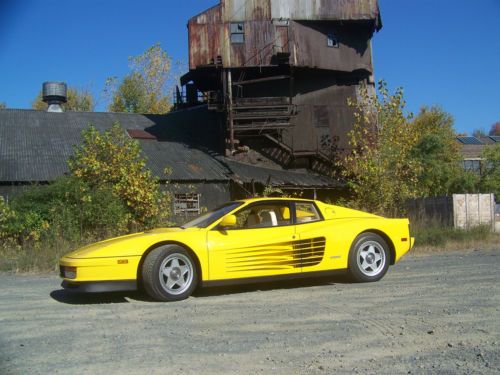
(430, 314)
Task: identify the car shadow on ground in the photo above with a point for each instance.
(75, 298)
(271, 285)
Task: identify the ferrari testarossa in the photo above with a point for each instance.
(241, 242)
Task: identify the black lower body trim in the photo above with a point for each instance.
(264, 279)
(100, 286)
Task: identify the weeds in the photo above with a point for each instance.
(432, 236)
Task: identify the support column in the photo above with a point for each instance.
(230, 109)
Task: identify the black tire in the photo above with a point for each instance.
(369, 258)
(169, 273)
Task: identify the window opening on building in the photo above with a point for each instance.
(332, 40)
(472, 165)
(237, 32)
(187, 203)
(321, 116)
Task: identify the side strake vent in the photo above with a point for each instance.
(310, 251)
(277, 256)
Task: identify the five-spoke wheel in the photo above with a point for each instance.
(169, 273)
(368, 257)
(176, 273)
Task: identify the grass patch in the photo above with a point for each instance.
(41, 257)
(432, 236)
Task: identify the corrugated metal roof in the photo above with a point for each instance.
(35, 145)
(469, 140)
(187, 162)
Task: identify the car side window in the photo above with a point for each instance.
(306, 212)
(263, 216)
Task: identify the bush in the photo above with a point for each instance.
(113, 159)
(7, 217)
(47, 221)
(67, 208)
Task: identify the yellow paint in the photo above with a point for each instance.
(238, 253)
(250, 252)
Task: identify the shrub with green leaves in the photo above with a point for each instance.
(113, 159)
(7, 218)
(68, 208)
(490, 179)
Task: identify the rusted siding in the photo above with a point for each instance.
(205, 37)
(323, 118)
(282, 38)
(326, 10)
(260, 42)
(268, 30)
(242, 10)
(310, 47)
(340, 10)
(307, 134)
(307, 41)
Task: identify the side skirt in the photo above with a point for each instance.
(265, 279)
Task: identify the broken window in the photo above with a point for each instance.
(237, 32)
(332, 40)
(187, 203)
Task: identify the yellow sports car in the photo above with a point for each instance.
(240, 242)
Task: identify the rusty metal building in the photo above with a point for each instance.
(279, 72)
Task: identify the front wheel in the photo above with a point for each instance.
(369, 258)
(169, 273)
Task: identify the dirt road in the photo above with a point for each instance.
(430, 314)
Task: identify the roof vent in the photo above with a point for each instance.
(54, 94)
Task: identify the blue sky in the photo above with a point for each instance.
(442, 52)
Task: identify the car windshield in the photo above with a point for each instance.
(208, 218)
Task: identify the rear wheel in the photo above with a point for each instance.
(169, 273)
(369, 258)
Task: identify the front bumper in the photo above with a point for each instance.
(100, 286)
(99, 269)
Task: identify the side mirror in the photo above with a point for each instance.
(228, 221)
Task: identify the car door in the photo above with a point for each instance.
(261, 244)
(312, 233)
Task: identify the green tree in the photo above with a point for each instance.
(146, 88)
(77, 100)
(438, 154)
(3, 105)
(112, 158)
(490, 178)
(395, 157)
(379, 168)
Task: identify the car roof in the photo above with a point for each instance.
(251, 200)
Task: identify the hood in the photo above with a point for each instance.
(129, 245)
